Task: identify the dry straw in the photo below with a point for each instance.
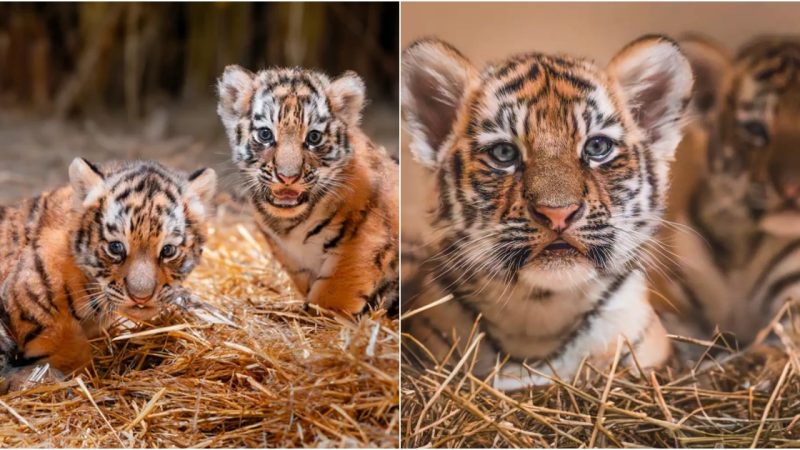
(253, 369)
(748, 398)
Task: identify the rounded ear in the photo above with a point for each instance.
(655, 80)
(235, 89)
(346, 94)
(712, 66)
(202, 186)
(86, 180)
(435, 80)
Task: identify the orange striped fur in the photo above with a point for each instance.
(324, 195)
(118, 240)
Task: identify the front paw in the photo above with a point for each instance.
(351, 307)
(26, 377)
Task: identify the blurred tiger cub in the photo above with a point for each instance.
(550, 175)
(324, 195)
(119, 238)
(742, 261)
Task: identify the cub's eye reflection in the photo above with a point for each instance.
(504, 154)
(264, 135)
(168, 251)
(116, 248)
(598, 148)
(313, 138)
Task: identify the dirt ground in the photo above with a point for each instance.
(35, 152)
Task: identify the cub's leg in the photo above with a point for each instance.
(61, 346)
(652, 349)
(358, 273)
(627, 314)
(43, 318)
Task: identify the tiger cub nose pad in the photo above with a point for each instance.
(288, 179)
(140, 290)
(558, 218)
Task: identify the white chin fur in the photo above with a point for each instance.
(784, 224)
(560, 279)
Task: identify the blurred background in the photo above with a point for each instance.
(487, 32)
(136, 80)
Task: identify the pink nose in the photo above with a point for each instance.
(288, 179)
(559, 218)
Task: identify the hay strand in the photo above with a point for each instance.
(237, 362)
(729, 398)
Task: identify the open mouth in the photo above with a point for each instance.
(288, 198)
(140, 311)
(559, 249)
(558, 245)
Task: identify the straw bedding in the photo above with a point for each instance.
(733, 399)
(252, 369)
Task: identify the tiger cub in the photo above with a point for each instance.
(325, 196)
(550, 175)
(741, 261)
(118, 239)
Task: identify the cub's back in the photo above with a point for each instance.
(23, 224)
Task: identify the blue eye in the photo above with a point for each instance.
(116, 248)
(598, 148)
(504, 154)
(168, 251)
(313, 138)
(264, 136)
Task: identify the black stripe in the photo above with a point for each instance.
(20, 361)
(93, 167)
(71, 303)
(378, 261)
(776, 288)
(31, 335)
(319, 227)
(35, 298)
(334, 241)
(776, 259)
(196, 173)
(588, 316)
(39, 266)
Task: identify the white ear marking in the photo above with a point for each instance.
(435, 80)
(347, 97)
(87, 181)
(234, 89)
(655, 81)
(202, 187)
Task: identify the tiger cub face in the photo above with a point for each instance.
(750, 106)
(288, 132)
(548, 168)
(140, 231)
